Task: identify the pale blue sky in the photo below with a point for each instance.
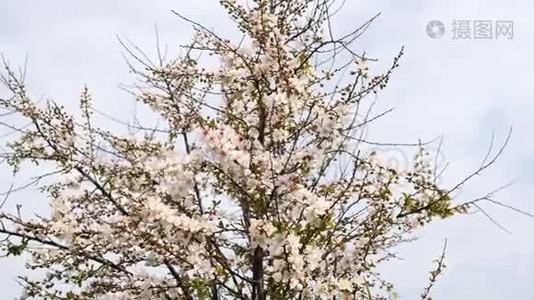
(462, 89)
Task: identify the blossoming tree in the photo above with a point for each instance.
(258, 187)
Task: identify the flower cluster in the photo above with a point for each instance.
(258, 187)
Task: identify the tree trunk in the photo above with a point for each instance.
(258, 292)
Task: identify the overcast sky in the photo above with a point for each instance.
(464, 90)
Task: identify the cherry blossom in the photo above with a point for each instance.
(257, 187)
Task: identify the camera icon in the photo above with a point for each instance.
(435, 29)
